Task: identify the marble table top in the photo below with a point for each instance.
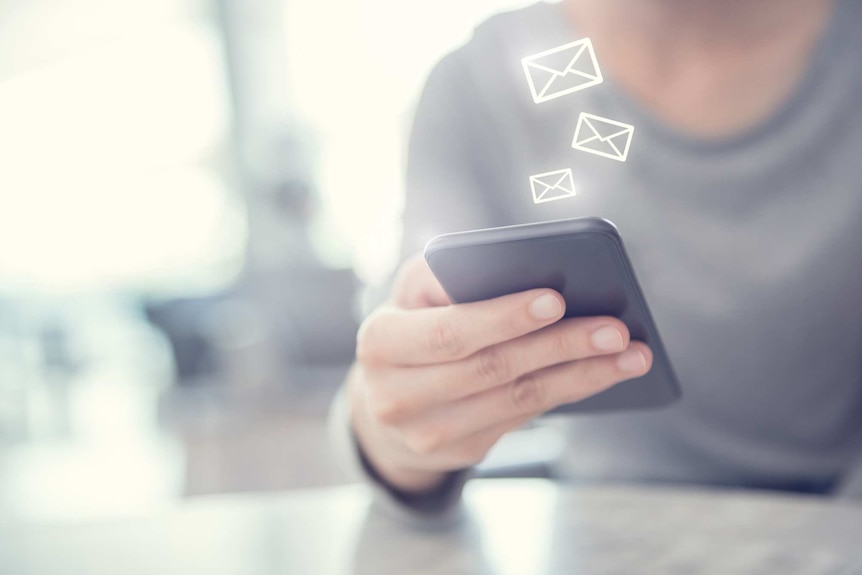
(518, 527)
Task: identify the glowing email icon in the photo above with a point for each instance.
(552, 186)
(562, 70)
(603, 137)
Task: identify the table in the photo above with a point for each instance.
(519, 527)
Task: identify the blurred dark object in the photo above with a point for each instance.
(297, 317)
(311, 310)
(181, 321)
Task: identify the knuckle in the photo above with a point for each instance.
(424, 441)
(388, 410)
(528, 394)
(565, 342)
(492, 366)
(445, 339)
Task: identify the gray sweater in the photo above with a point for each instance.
(749, 250)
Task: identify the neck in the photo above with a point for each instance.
(707, 23)
(736, 59)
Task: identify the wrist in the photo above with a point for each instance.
(405, 480)
(425, 492)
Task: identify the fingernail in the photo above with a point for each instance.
(545, 307)
(632, 361)
(607, 339)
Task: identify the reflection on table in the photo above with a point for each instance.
(509, 527)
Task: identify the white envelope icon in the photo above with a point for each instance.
(552, 186)
(603, 137)
(562, 70)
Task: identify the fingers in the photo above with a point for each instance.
(444, 334)
(548, 388)
(416, 286)
(526, 397)
(565, 341)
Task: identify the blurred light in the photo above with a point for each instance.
(177, 227)
(86, 481)
(91, 193)
(356, 78)
(508, 547)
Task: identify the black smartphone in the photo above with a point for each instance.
(581, 258)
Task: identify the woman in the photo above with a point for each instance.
(740, 202)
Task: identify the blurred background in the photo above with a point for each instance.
(193, 194)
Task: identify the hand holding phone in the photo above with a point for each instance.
(436, 385)
(583, 259)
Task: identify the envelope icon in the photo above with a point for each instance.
(552, 186)
(562, 70)
(603, 137)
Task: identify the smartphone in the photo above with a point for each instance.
(584, 260)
